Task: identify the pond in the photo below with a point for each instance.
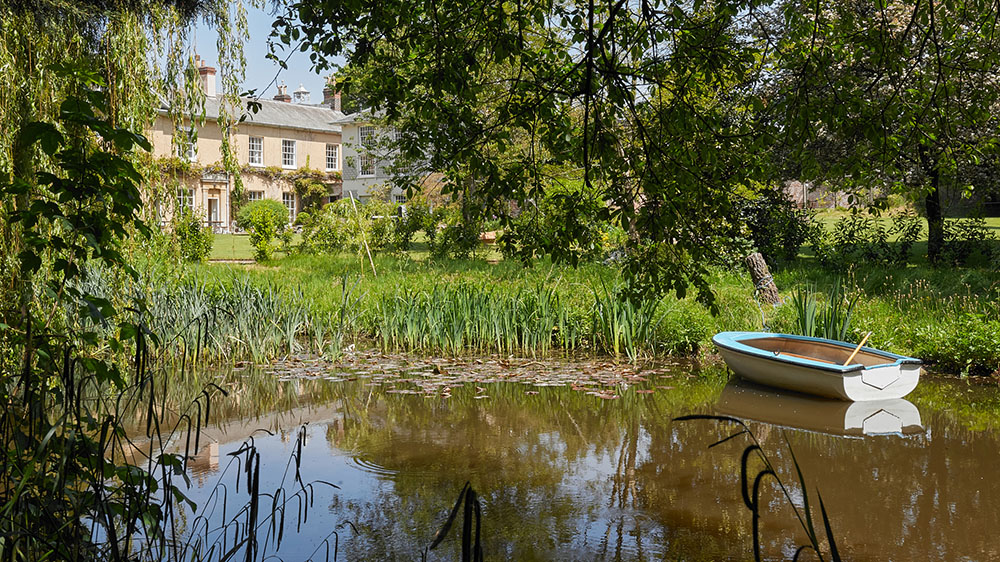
(583, 461)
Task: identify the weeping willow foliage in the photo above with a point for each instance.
(80, 81)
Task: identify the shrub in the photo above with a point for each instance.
(410, 222)
(773, 225)
(194, 240)
(457, 231)
(347, 225)
(324, 231)
(967, 345)
(863, 238)
(966, 239)
(265, 220)
(566, 212)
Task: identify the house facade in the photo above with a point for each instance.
(367, 158)
(280, 143)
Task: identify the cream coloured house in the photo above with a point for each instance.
(279, 143)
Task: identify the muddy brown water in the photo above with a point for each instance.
(583, 461)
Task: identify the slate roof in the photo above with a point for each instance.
(363, 116)
(306, 117)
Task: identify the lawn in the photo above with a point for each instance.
(231, 247)
(237, 247)
(949, 316)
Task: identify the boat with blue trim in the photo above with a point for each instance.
(816, 365)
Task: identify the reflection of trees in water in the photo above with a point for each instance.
(564, 475)
(557, 471)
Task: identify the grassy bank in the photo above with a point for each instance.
(949, 317)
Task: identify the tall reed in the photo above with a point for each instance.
(455, 318)
(622, 326)
(830, 319)
(232, 320)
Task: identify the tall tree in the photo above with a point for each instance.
(650, 102)
(894, 95)
(671, 108)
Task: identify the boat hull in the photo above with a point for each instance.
(894, 377)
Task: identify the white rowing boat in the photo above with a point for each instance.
(815, 365)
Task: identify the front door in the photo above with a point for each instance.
(213, 212)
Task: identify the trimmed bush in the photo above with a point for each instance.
(193, 239)
(265, 220)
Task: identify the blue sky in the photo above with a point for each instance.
(260, 71)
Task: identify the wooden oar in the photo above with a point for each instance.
(857, 349)
(805, 357)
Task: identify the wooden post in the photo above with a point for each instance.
(763, 282)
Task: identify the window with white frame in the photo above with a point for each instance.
(188, 144)
(185, 198)
(256, 146)
(255, 195)
(287, 153)
(400, 198)
(288, 198)
(332, 157)
(366, 160)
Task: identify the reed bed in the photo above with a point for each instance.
(464, 317)
(237, 320)
(947, 317)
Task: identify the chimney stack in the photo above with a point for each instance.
(206, 76)
(283, 94)
(331, 95)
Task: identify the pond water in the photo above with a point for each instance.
(582, 461)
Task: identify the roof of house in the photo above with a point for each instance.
(363, 116)
(307, 117)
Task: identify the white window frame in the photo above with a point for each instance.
(185, 198)
(255, 196)
(288, 198)
(188, 149)
(288, 154)
(257, 151)
(332, 157)
(366, 160)
(399, 198)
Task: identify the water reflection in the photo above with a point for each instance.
(749, 401)
(565, 475)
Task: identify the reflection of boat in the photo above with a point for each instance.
(815, 365)
(873, 417)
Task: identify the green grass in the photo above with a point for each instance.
(231, 247)
(237, 247)
(829, 217)
(944, 315)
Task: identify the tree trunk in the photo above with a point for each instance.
(932, 207)
(763, 282)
